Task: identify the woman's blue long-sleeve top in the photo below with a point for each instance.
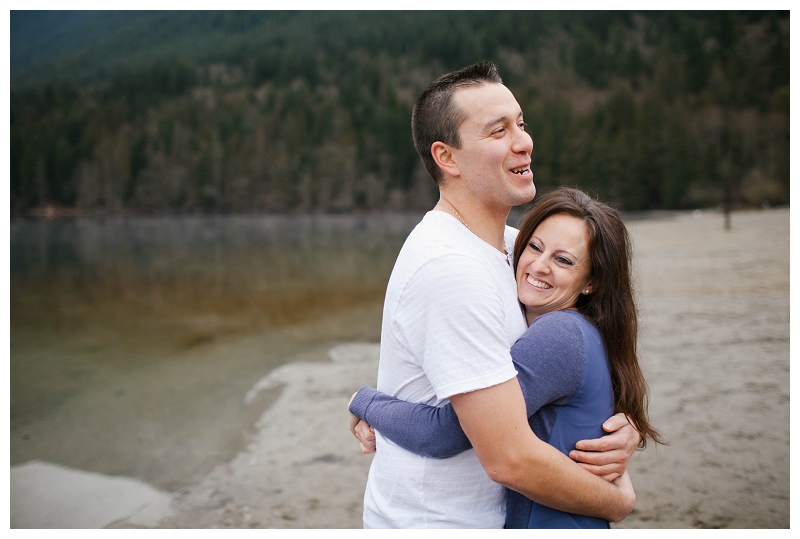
(563, 371)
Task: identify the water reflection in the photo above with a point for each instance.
(133, 340)
(280, 269)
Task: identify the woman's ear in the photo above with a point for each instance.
(588, 289)
(443, 155)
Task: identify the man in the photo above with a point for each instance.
(450, 317)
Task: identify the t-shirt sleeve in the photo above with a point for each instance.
(550, 359)
(452, 318)
(425, 430)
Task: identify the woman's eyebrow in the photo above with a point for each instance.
(571, 255)
(557, 252)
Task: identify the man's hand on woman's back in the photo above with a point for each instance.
(608, 456)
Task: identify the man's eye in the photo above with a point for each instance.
(499, 131)
(523, 125)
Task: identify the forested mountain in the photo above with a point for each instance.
(310, 111)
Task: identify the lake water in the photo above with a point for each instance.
(134, 340)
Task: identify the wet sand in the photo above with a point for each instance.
(715, 348)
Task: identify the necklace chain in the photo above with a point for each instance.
(457, 215)
(508, 258)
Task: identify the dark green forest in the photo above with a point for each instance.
(151, 112)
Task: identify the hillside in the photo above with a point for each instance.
(310, 111)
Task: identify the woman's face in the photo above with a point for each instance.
(553, 270)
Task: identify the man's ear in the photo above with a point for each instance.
(443, 155)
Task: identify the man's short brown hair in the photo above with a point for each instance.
(437, 117)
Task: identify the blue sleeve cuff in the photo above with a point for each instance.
(361, 401)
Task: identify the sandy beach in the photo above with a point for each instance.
(714, 307)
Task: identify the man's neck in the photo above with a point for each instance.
(488, 223)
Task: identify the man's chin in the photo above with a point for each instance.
(526, 196)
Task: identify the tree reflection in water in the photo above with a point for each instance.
(133, 340)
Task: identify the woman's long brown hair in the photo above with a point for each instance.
(610, 307)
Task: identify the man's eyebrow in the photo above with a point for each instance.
(501, 119)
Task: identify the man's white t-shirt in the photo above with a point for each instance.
(450, 317)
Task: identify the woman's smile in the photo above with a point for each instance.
(536, 283)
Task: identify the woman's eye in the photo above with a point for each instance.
(535, 247)
(565, 261)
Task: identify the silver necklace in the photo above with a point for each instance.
(457, 215)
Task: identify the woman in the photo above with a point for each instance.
(576, 363)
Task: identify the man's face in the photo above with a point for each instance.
(495, 155)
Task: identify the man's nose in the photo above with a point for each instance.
(523, 142)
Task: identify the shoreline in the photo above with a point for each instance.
(715, 353)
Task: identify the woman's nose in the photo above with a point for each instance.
(540, 265)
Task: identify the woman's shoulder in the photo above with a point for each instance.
(557, 330)
(553, 349)
(566, 320)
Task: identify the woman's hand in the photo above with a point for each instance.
(365, 435)
(608, 456)
(362, 430)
